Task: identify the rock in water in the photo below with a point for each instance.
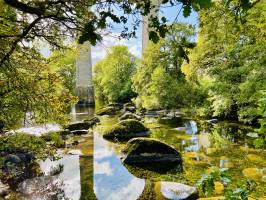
(79, 132)
(4, 189)
(172, 190)
(151, 154)
(110, 110)
(79, 126)
(126, 129)
(129, 116)
(93, 121)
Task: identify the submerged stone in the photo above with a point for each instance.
(129, 116)
(254, 158)
(126, 129)
(218, 188)
(253, 173)
(144, 152)
(211, 150)
(172, 190)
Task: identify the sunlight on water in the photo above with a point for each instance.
(39, 130)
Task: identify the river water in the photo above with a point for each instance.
(99, 174)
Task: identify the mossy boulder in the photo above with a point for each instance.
(109, 110)
(129, 115)
(93, 121)
(126, 129)
(85, 125)
(145, 152)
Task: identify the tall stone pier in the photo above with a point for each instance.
(84, 85)
(145, 23)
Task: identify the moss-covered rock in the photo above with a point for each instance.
(93, 121)
(147, 151)
(126, 129)
(129, 115)
(81, 125)
(109, 110)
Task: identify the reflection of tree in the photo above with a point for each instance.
(86, 178)
(149, 191)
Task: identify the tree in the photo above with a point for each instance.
(64, 64)
(231, 54)
(112, 75)
(56, 20)
(159, 81)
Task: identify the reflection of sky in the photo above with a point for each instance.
(70, 175)
(194, 146)
(191, 127)
(112, 181)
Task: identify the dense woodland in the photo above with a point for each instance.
(214, 71)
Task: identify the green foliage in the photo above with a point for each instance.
(240, 192)
(159, 80)
(206, 183)
(63, 62)
(25, 143)
(55, 138)
(112, 75)
(259, 143)
(231, 54)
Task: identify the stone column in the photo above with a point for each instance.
(145, 24)
(84, 85)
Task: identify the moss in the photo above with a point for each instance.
(126, 129)
(151, 154)
(129, 116)
(147, 145)
(55, 138)
(110, 110)
(21, 142)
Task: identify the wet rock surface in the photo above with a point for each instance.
(79, 132)
(143, 152)
(126, 129)
(172, 190)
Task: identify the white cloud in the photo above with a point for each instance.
(99, 51)
(102, 168)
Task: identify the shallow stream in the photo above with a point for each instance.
(99, 174)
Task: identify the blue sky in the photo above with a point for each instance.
(134, 44)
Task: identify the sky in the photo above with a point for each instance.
(134, 44)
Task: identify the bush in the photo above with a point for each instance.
(112, 76)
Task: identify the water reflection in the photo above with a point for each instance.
(70, 176)
(112, 181)
(79, 113)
